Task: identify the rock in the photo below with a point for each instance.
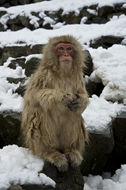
(18, 61)
(119, 131)
(15, 187)
(97, 20)
(19, 51)
(21, 89)
(36, 49)
(14, 2)
(7, 5)
(37, 187)
(97, 152)
(70, 180)
(2, 2)
(30, 187)
(105, 10)
(25, 21)
(23, 2)
(71, 18)
(88, 14)
(106, 150)
(9, 128)
(2, 13)
(93, 13)
(118, 156)
(106, 41)
(15, 80)
(14, 23)
(94, 88)
(31, 65)
(35, 1)
(1, 27)
(1, 56)
(88, 62)
(14, 51)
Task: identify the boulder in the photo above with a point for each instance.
(9, 128)
(2, 27)
(18, 61)
(21, 89)
(23, 2)
(88, 68)
(119, 130)
(2, 2)
(97, 152)
(71, 18)
(106, 41)
(94, 88)
(118, 156)
(94, 14)
(70, 180)
(31, 65)
(105, 10)
(30, 187)
(14, 51)
(17, 51)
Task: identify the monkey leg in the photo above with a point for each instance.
(58, 159)
(74, 157)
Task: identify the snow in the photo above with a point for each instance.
(110, 68)
(32, 56)
(17, 164)
(100, 108)
(54, 5)
(116, 182)
(8, 99)
(84, 32)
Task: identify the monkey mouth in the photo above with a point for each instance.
(66, 59)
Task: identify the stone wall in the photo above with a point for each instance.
(103, 149)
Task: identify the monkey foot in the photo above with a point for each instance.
(59, 160)
(74, 158)
(61, 163)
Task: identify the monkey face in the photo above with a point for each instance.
(65, 49)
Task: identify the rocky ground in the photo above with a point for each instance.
(106, 151)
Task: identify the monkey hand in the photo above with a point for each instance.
(67, 98)
(79, 103)
(71, 101)
(74, 105)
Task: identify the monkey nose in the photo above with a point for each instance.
(66, 53)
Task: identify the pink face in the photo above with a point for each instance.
(65, 49)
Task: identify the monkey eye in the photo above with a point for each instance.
(61, 48)
(69, 48)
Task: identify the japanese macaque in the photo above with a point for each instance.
(55, 97)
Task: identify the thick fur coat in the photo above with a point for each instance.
(50, 128)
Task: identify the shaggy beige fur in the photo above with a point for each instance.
(51, 128)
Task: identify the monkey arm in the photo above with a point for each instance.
(48, 98)
(83, 100)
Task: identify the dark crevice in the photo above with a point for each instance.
(94, 88)
(2, 143)
(118, 155)
(116, 159)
